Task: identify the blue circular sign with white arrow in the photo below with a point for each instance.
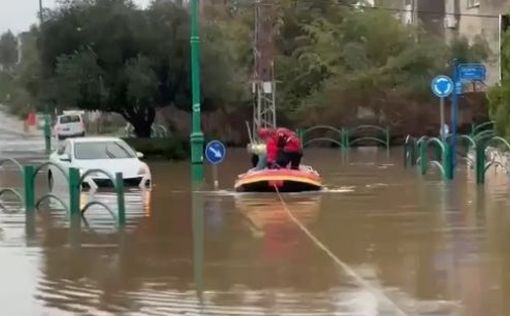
(215, 152)
(442, 86)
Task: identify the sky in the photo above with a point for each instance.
(18, 15)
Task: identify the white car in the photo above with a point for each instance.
(110, 154)
(69, 125)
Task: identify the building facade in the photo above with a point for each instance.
(467, 18)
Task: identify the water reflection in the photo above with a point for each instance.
(435, 248)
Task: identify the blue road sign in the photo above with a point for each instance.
(215, 152)
(472, 72)
(442, 86)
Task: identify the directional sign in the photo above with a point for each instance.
(215, 152)
(472, 72)
(442, 86)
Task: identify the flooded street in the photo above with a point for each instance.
(380, 240)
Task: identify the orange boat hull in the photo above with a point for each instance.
(285, 180)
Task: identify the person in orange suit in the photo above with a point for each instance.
(269, 137)
(292, 148)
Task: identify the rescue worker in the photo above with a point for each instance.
(269, 137)
(292, 148)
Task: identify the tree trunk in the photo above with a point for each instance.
(142, 121)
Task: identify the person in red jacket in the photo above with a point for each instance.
(269, 137)
(292, 148)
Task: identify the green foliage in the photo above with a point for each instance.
(8, 51)
(169, 148)
(499, 96)
(346, 60)
(113, 56)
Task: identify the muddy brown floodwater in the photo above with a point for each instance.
(394, 244)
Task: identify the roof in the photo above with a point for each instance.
(93, 139)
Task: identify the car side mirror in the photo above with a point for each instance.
(139, 154)
(65, 157)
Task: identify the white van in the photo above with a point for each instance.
(69, 125)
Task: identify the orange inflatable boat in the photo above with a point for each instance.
(286, 180)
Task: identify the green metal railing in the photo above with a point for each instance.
(481, 164)
(19, 168)
(74, 180)
(443, 152)
(442, 156)
(345, 137)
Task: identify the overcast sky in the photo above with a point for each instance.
(18, 15)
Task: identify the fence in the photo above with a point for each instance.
(416, 153)
(345, 137)
(74, 180)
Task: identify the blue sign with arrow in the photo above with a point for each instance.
(215, 152)
(442, 86)
(472, 72)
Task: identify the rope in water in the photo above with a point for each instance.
(378, 293)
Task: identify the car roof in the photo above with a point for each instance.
(94, 139)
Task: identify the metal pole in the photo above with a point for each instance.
(47, 134)
(29, 186)
(121, 205)
(41, 18)
(441, 128)
(215, 177)
(74, 191)
(455, 113)
(196, 137)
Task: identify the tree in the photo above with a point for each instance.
(135, 60)
(8, 51)
(350, 59)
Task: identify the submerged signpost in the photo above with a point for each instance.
(466, 72)
(215, 153)
(442, 86)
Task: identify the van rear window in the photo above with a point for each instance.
(69, 119)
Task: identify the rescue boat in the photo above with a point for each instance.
(286, 180)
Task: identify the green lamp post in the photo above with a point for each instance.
(196, 137)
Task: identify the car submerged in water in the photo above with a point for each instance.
(110, 154)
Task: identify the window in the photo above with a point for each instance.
(473, 3)
(103, 150)
(69, 119)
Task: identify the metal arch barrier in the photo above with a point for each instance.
(318, 127)
(30, 172)
(14, 162)
(481, 165)
(302, 133)
(443, 162)
(13, 192)
(410, 146)
(50, 196)
(323, 139)
(375, 139)
(385, 140)
(478, 128)
(484, 134)
(75, 181)
(19, 167)
(104, 205)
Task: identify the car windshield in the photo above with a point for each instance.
(69, 119)
(103, 150)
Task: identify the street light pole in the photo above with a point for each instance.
(196, 137)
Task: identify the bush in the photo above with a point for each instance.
(153, 148)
